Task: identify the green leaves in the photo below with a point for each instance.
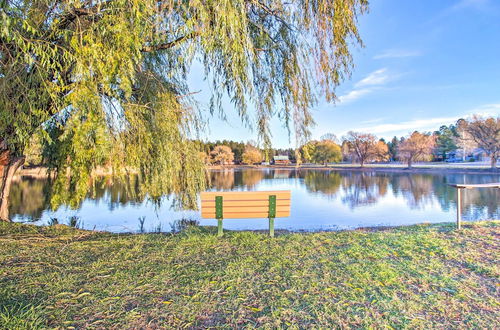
(109, 79)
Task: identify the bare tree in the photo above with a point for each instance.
(486, 134)
(363, 147)
(464, 139)
(330, 137)
(418, 146)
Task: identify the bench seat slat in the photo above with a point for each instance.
(234, 209)
(244, 195)
(244, 215)
(265, 203)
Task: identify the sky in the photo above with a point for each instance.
(424, 64)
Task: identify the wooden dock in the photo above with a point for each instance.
(461, 186)
(479, 185)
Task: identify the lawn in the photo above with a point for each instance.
(422, 276)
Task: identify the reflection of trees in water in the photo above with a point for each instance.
(476, 203)
(29, 197)
(222, 180)
(116, 192)
(417, 189)
(251, 178)
(248, 178)
(363, 188)
(326, 183)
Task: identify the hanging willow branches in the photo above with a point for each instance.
(105, 82)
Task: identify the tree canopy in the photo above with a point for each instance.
(485, 132)
(105, 82)
(251, 155)
(365, 147)
(417, 146)
(327, 151)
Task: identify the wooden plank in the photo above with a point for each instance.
(244, 215)
(244, 195)
(478, 185)
(256, 203)
(258, 209)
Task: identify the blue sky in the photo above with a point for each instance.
(425, 63)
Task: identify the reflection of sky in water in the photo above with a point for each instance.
(321, 200)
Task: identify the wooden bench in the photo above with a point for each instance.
(245, 204)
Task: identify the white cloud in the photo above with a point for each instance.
(412, 125)
(367, 85)
(354, 95)
(487, 110)
(379, 77)
(430, 124)
(397, 53)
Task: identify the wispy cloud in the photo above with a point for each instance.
(429, 124)
(379, 77)
(397, 53)
(367, 85)
(373, 121)
(354, 95)
(411, 125)
(487, 110)
(478, 4)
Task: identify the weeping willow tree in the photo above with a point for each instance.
(105, 82)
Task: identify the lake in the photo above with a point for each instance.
(321, 200)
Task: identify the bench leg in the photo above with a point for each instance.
(271, 227)
(220, 231)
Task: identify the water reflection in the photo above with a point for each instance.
(323, 182)
(363, 188)
(336, 196)
(28, 197)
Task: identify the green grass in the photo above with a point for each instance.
(423, 276)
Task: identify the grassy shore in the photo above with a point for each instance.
(422, 276)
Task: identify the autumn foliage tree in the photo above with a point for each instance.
(106, 82)
(417, 147)
(222, 155)
(363, 147)
(251, 155)
(485, 132)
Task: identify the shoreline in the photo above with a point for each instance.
(265, 232)
(371, 168)
(41, 172)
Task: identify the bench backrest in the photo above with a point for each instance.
(245, 204)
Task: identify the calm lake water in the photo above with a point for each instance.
(321, 200)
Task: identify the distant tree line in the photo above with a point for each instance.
(476, 134)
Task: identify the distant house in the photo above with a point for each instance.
(281, 160)
(476, 154)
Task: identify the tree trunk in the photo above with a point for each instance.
(362, 162)
(493, 161)
(409, 163)
(8, 167)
